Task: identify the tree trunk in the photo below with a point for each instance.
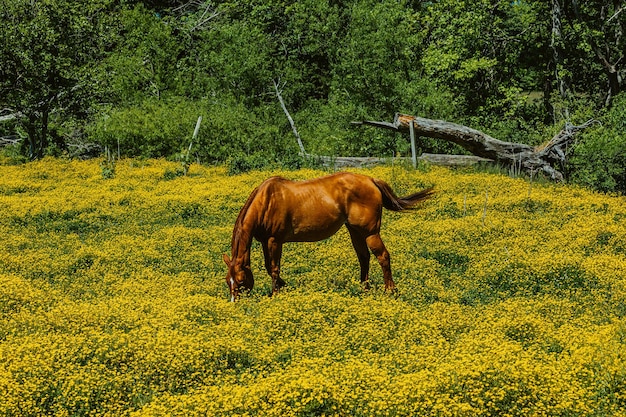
(338, 162)
(518, 156)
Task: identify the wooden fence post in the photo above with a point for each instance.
(413, 147)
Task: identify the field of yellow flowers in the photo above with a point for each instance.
(511, 301)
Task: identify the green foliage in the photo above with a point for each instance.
(243, 163)
(234, 57)
(164, 127)
(483, 66)
(107, 167)
(377, 60)
(45, 50)
(143, 60)
(11, 155)
(594, 48)
(138, 74)
(599, 159)
(155, 127)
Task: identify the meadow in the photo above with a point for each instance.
(511, 300)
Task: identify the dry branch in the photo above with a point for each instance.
(9, 140)
(291, 122)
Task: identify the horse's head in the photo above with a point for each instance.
(238, 278)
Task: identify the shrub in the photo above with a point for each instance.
(599, 159)
(157, 128)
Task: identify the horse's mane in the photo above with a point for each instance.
(238, 229)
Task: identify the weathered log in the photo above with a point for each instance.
(362, 162)
(521, 156)
(451, 160)
(350, 161)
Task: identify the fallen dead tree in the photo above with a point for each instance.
(522, 157)
(368, 161)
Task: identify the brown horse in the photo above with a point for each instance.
(280, 210)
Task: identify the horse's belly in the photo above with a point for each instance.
(312, 231)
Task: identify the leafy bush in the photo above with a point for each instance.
(157, 128)
(599, 159)
(152, 128)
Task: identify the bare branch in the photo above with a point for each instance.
(208, 12)
(291, 122)
(621, 9)
(9, 140)
(10, 116)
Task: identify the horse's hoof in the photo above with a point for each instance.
(392, 290)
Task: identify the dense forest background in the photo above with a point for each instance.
(78, 77)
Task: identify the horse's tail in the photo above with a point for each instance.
(392, 202)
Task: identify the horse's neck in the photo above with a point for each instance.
(241, 243)
(243, 231)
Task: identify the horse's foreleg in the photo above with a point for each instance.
(273, 250)
(363, 253)
(376, 245)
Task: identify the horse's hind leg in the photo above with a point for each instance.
(273, 251)
(376, 245)
(362, 252)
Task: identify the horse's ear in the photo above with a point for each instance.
(226, 259)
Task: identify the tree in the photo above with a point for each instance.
(377, 62)
(603, 23)
(45, 49)
(143, 55)
(487, 52)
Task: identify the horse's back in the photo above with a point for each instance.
(338, 190)
(315, 209)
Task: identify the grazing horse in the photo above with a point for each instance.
(280, 210)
